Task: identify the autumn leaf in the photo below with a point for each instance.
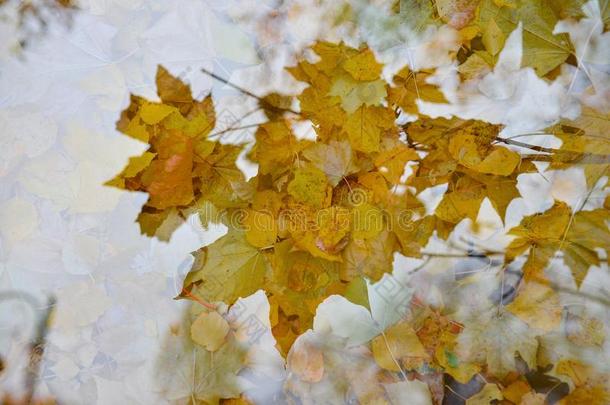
(171, 90)
(487, 395)
(260, 228)
(335, 159)
(543, 51)
(365, 126)
(276, 147)
(309, 186)
(538, 306)
(184, 370)
(393, 158)
(298, 283)
(354, 94)
(323, 226)
(445, 355)
(363, 66)
(396, 343)
(411, 86)
(321, 368)
(457, 13)
(209, 330)
(275, 105)
(343, 80)
(462, 155)
(472, 152)
(494, 339)
(168, 179)
(408, 393)
(516, 391)
(227, 269)
(372, 256)
(584, 330)
(493, 38)
(387, 299)
(307, 361)
(591, 385)
(585, 143)
(575, 234)
(181, 168)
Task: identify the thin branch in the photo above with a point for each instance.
(527, 134)
(231, 129)
(557, 155)
(233, 126)
(247, 92)
(225, 81)
(582, 158)
(537, 148)
(421, 266)
(462, 255)
(555, 286)
(37, 347)
(37, 344)
(483, 255)
(560, 288)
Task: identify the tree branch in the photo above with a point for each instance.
(37, 343)
(247, 92)
(557, 155)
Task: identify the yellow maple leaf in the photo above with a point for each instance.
(227, 269)
(363, 65)
(494, 338)
(576, 235)
(542, 50)
(397, 342)
(538, 306)
(365, 126)
(335, 159)
(209, 330)
(260, 228)
(488, 394)
(309, 186)
(411, 86)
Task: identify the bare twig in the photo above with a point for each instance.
(555, 286)
(231, 129)
(37, 346)
(37, 343)
(247, 92)
(557, 155)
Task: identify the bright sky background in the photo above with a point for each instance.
(64, 233)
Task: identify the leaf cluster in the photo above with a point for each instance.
(326, 217)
